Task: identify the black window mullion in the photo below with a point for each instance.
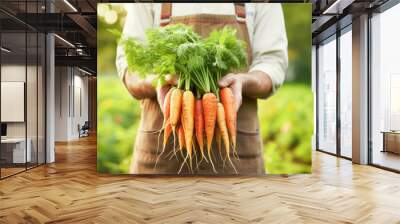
(317, 96)
(26, 87)
(37, 90)
(45, 93)
(369, 95)
(338, 77)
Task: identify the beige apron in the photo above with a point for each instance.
(249, 145)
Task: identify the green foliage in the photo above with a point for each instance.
(225, 50)
(166, 51)
(107, 36)
(139, 58)
(177, 49)
(298, 29)
(118, 120)
(286, 122)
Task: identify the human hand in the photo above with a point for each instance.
(255, 84)
(140, 88)
(170, 81)
(235, 83)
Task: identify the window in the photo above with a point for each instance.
(385, 89)
(22, 77)
(346, 92)
(327, 96)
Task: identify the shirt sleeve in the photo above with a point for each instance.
(139, 18)
(270, 43)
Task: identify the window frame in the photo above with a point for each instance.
(334, 37)
(379, 10)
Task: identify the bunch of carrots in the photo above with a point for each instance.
(196, 111)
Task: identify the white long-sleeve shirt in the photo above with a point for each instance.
(265, 23)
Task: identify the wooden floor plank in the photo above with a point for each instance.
(70, 191)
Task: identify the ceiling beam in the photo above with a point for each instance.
(77, 61)
(320, 23)
(83, 23)
(337, 7)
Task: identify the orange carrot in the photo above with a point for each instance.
(188, 120)
(229, 103)
(166, 106)
(218, 140)
(175, 107)
(199, 125)
(210, 116)
(168, 130)
(224, 131)
(181, 138)
(167, 133)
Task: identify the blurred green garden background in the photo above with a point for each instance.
(286, 118)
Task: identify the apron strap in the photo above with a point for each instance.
(240, 12)
(166, 12)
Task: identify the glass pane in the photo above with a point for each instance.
(32, 86)
(13, 86)
(346, 94)
(31, 97)
(41, 98)
(386, 89)
(23, 88)
(327, 97)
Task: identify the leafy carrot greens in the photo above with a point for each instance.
(177, 49)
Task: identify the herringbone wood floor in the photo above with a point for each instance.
(70, 191)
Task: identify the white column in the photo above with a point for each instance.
(50, 94)
(360, 90)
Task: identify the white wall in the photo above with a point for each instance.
(33, 126)
(80, 100)
(71, 94)
(10, 73)
(15, 73)
(62, 81)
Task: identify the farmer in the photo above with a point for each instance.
(261, 26)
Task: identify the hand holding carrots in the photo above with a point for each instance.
(162, 90)
(205, 97)
(140, 88)
(235, 83)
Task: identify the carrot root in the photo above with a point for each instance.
(224, 132)
(183, 163)
(187, 121)
(175, 107)
(199, 126)
(229, 104)
(209, 102)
